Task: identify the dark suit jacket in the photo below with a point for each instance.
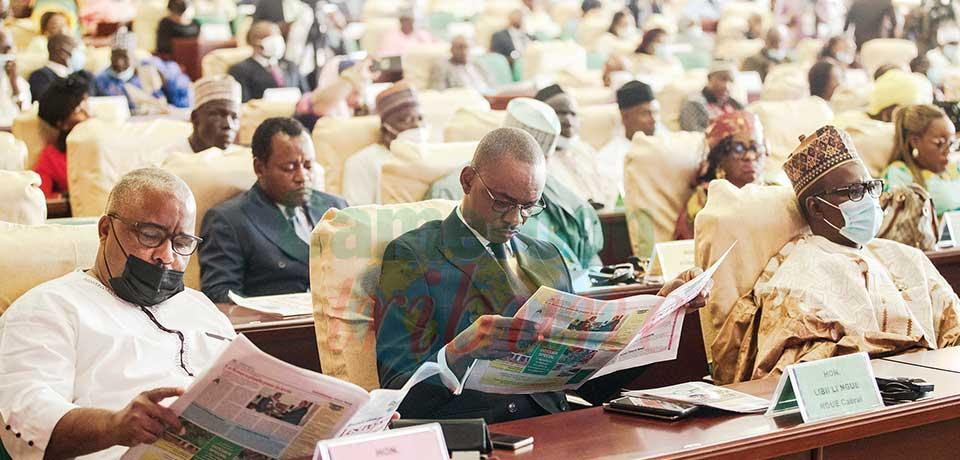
(250, 248)
(254, 79)
(41, 79)
(436, 281)
(501, 43)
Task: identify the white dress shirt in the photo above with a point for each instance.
(71, 343)
(61, 70)
(361, 175)
(301, 224)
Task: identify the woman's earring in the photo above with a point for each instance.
(915, 153)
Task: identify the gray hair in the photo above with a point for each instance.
(131, 188)
(503, 143)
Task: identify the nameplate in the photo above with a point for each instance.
(828, 388)
(411, 443)
(672, 258)
(950, 227)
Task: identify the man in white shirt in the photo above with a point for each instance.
(400, 117)
(14, 90)
(65, 56)
(640, 112)
(86, 359)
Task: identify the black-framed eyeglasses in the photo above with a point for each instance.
(857, 190)
(952, 144)
(152, 236)
(503, 206)
(739, 150)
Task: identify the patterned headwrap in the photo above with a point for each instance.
(818, 154)
(396, 97)
(730, 124)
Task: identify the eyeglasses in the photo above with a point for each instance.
(856, 191)
(152, 236)
(503, 206)
(952, 144)
(739, 150)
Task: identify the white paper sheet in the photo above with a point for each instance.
(285, 304)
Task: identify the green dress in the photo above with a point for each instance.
(944, 188)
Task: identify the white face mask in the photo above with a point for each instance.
(419, 135)
(273, 47)
(845, 58)
(126, 75)
(563, 143)
(952, 53)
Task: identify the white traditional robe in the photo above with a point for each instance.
(361, 175)
(579, 169)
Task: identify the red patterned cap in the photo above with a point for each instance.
(730, 124)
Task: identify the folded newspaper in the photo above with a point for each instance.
(586, 338)
(705, 394)
(283, 304)
(250, 405)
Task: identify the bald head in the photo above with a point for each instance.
(506, 144)
(137, 186)
(60, 47)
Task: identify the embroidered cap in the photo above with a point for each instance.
(823, 151)
(221, 87)
(537, 119)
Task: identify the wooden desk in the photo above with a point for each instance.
(189, 53)
(499, 101)
(58, 208)
(925, 427)
(946, 359)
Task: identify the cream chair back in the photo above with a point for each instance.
(256, 111)
(407, 175)
(23, 201)
(219, 61)
(418, 62)
(546, 59)
(30, 129)
(13, 153)
(470, 125)
(336, 139)
(599, 124)
(882, 51)
(783, 124)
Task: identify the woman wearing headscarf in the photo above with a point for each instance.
(924, 140)
(736, 152)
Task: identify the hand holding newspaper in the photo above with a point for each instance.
(586, 338)
(251, 405)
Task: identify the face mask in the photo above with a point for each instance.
(125, 76)
(418, 135)
(952, 53)
(273, 47)
(143, 283)
(862, 219)
(563, 143)
(933, 74)
(845, 58)
(777, 55)
(662, 51)
(77, 60)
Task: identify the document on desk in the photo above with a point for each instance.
(586, 338)
(251, 405)
(705, 394)
(298, 304)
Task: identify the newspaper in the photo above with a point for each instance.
(285, 304)
(586, 338)
(249, 405)
(705, 394)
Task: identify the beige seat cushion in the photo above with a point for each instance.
(219, 61)
(149, 14)
(783, 124)
(99, 152)
(873, 139)
(418, 62)
(487, 25)
(785, 83)
(591, 95)
(234, 175)
(808, 49)
(737, 50)
(761, 219)
(336, 139)
(13, 153)
(658, 173)
(407, 175)
(23, 201)
(881, 51)
(438, 106)
(470, 125)
(599, 124)
(674, 93)
(33, 132)
(571, 78)
(30, 61)
(546, 59)
(256, 111)
(346, 254)
(55, 250)
(109, 108)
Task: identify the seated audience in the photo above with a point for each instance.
(123, 77)
(88, 357)
(947, 52)
(63, 108)
(841, 49)
(622, 26)
(736, 152)
(575, 163)
(339, 93)
(14, 90)
(640, 113)
(774, 53)
(178, 23)
(893, 299)
(754, 27)
(400, 41)
(459, 71)
(699, 109)
(925, 140)
(471, 318)
(258, 243)
(51, 23)
(66, 56)
(896, 88)
(653, 57)
(266, 68)
(216, 118)
(824, 77)
(400, 117)
(512, 41)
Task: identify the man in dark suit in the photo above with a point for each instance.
(258, 243)
(449, 289)
(66, 57)
(266, 68)
(512, 41)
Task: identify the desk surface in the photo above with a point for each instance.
(716, 435)
(946, 359)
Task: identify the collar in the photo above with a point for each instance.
(61, 70)
(485, 242)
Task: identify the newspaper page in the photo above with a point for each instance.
(705, 394)
(285, 304)
(249, 405)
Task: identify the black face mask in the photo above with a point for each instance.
(143, 283)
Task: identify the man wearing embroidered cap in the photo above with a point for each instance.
(216, 114)
(713, 100)
(400, 117)
(836, 289)
(117, 79)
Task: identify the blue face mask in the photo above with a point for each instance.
(77, 60)
(862, 219)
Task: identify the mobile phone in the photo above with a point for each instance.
(650, 407)
(509, 441)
